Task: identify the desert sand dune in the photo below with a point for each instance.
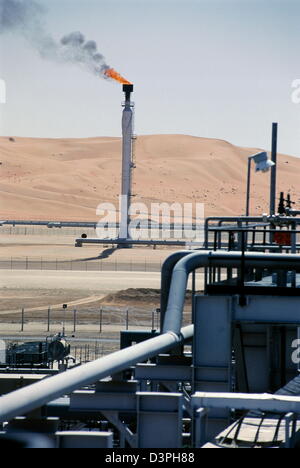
(66, 179)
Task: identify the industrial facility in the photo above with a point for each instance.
(149, 227)
(228, 379)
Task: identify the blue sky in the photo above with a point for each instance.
(211, 68)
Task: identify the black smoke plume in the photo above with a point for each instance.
(26, 17)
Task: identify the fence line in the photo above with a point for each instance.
(86, 353)
(44, 264)
(100, 320)
(45, 231)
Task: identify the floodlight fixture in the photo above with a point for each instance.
(262, 164)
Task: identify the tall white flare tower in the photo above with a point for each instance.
(127, 163)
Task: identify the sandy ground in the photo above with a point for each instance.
(87, 292)
(60, 246)
(67, 179)
(103, 282)
(36, 290)
(93, 294)
(19, 299)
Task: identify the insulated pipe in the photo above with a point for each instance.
(37, 395)
(166, 276)
(177, 290)
(49, 224)
(80, 241)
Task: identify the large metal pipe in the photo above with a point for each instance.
(51, 224)
(166, 277)
(205, 257)
(80, 241)
(92, 224)
(37, 395)
(176, 291)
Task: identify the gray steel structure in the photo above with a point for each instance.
(49, 224)
(28, 399)
(87, 224)
(127, 163)
(128, 242)
(258, 328)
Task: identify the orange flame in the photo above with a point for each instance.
(111, 73)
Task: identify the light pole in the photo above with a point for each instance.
(274, 169)
(262, 164)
